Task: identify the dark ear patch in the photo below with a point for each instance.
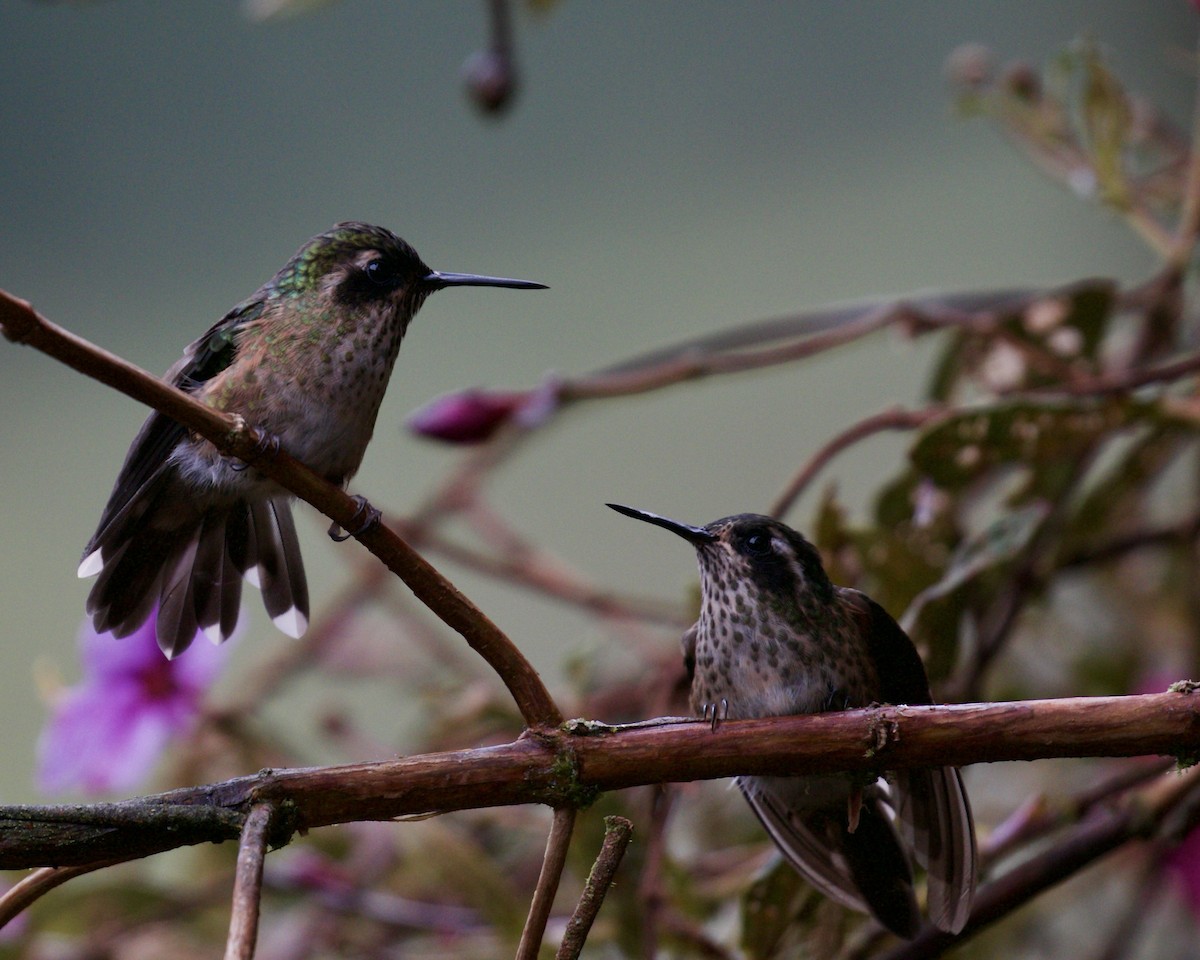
(770, 565)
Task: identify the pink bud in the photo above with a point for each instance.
(470, 416)
(491, 80)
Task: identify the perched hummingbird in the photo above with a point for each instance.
(306, 360)
(776, 637)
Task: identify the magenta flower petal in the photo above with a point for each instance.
(107, 733)
(1184, 864)
(471, 416)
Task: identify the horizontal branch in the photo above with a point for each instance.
(230, 434)
(570, 765)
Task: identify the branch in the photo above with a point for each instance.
(232, 436)
(247, 884)
(617, 833)
(895, 418)
(557, 845)
(29, 889)
(569, 766)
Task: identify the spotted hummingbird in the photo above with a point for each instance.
(776, 637)
(305, 360)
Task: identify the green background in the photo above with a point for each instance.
(669, 168)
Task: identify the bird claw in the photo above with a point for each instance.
(715, 712)
(267, 444)
(365, 517)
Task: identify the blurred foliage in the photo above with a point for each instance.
(1039, 538)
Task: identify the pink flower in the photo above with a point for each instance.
(107, 733)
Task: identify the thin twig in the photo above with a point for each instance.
(685, 365)
(617, 833)
(1123, 382)
(1039, 816)
(527, 566)
(824, 320)
(651, 884)
(247, 883)
(29, 889)
(557, 845)
(894, 418)
(1171, 535)
(233, 437)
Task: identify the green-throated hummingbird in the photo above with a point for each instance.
(305, 360)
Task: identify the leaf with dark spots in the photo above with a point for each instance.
(1048, 439)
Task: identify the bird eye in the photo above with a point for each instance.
(758, 544)
(380, 273)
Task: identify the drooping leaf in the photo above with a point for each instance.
(783, 916)
(1117, 498)
(999, 543)
(1107, 119)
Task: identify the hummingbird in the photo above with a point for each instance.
(776, 637)
(306, 360)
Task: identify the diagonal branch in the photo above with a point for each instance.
(617, 834)
(232, 436)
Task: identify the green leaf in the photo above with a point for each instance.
(783, 916)
(1107, 120)
(1116, 498)
(999, 543)
(1048, 438)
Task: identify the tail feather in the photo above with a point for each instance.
(177, 625)
(280, 567)
(208, 576)
(128, 585)
(128, 552)
(296, 622)
(934, 818)
(237, 534)
(190, 559)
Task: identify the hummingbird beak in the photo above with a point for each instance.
(439, 281)
(696, 536)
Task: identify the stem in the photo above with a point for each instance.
(553, 862)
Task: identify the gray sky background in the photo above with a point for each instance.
(670, 168)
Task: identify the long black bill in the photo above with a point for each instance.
(693, 535)
(439, 281)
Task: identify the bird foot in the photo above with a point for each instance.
(365, 517)
(715, 712)
(267, 444)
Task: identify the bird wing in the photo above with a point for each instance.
(147, 457)
(902, 677)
